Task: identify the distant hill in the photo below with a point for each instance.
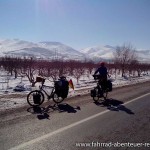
(43, 50)
(106, 53)
(57, 50)
(99, 52)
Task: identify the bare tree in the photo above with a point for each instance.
(79, 70)
(124, 55)
(28, 69)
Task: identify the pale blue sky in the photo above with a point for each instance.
(77, 23)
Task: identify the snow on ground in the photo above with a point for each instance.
(12, 99)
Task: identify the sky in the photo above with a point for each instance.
(77, 23)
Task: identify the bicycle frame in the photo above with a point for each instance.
(101, 93)
(36, 97)
(48, 95)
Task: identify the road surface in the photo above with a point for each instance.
(123, 121)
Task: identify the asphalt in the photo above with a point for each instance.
(123, 118)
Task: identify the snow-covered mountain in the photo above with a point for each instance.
(107, 53)
(143, 55)
(56, 50)
(99, 52)
(45, 50)
(62, 51)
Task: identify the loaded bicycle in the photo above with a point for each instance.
(102, 89)
(58, 92)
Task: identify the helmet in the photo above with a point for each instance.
(102, 63)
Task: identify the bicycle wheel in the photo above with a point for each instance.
(57, 99)
(96, 97)
(35, 98)
(105, 94)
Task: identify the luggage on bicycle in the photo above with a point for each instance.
(36, 98)
(62, 88)
(65, 89)
(58, 85)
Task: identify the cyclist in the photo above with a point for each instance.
(102, 70)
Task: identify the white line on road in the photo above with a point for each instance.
(18, 147)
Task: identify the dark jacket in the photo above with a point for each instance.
(102, 71)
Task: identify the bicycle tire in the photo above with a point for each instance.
(30, 99)
(96, 98)
(57, 99)
(105, 94)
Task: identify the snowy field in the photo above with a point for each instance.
(12, 99)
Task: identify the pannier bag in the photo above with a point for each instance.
(58, 86)
(36, 98)
(109, 85)
(62, 88)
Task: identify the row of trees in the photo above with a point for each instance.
(51, 69)
(125, 62)
(126, 58)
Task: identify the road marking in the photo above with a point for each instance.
(18, 147)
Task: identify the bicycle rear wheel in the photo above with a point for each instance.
(57, 99)
(35, 98)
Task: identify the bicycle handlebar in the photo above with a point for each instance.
(96, 77)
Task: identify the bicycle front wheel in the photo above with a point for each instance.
(96, 96)
(57, 99)
(35, 98)
(105, 94)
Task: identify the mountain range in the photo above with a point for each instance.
(57, 50)
(41, 50)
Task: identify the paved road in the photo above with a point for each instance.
(81, 124)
